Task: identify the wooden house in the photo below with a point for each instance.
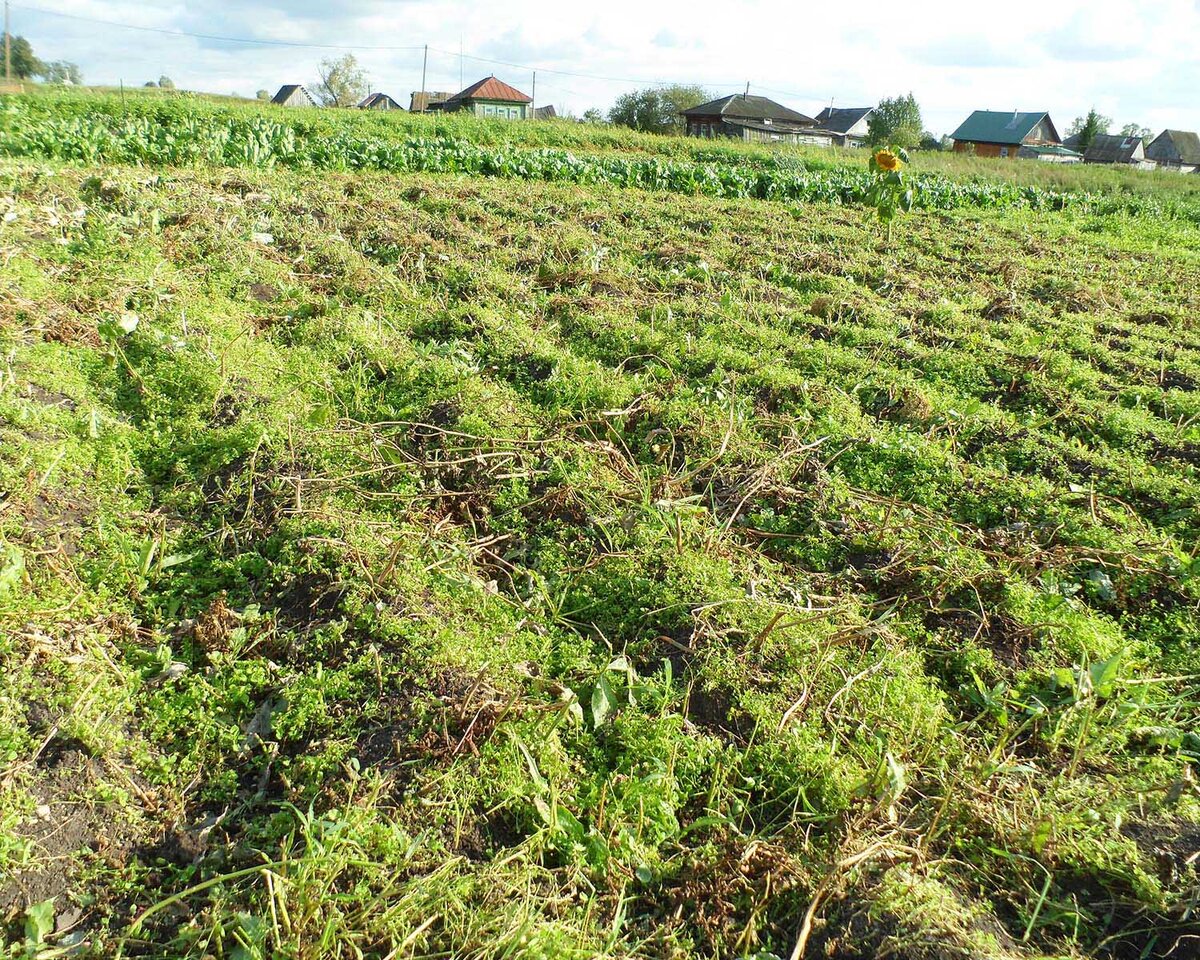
(755, 120)
(997, 133)
(293, 95)
(545, 113)
(1114, 148)
(1177, 150)
(422, 101)
(849, 125)
(378, 101)
(488, 97)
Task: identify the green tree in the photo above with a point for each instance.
(166, 82)
(263, 95)
(343, 82)
(896, 122)
(1089, 127)
(62, 71)
(1135, 130)
(656, 109)
(24, 63)
(592, 115)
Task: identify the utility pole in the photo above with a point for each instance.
(533, 99)
(424, 64)
(7, 47)
(747, 96)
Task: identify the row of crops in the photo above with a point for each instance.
(177, 138)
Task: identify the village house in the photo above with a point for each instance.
(849, 125)
(488, 97)
(378, 101)
(422, 101)
(545, 113)
(1177, 150)
(997, 133)
(1114, 148)
(755, 120)
(293, 95)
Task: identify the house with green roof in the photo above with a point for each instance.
(998, 133)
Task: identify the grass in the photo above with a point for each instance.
(414, 566)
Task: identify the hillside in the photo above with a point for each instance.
(413, 564)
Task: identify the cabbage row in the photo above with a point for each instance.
(181, 140)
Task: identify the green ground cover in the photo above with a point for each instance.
(412, 565)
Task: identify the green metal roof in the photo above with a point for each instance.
(998, 126)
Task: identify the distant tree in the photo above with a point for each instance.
(592, 115)
(1135, 130)
(263, 95)
(24, 63)
(149, 83)
(656, 109)
(896, 121)
(343, 82)
(1089, 127)
(166, 82)
(930, 141)
(62, 71)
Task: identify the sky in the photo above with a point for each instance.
(1135, 63)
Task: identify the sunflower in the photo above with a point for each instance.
(886, 160)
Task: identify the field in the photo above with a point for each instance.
(468, 562)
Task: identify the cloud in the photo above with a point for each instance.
(1032, 55)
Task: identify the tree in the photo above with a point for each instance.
(149, 83)
(24, 63)
(343, 82)
(592, 115)
(895, 122)
(166, 82)
(62, 71)
(1135, 130)
(263, 95)
(1089, 127)
(656, 109)
(930, 141)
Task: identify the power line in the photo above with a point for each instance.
(163, 31)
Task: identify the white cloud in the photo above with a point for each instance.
(1135, 63)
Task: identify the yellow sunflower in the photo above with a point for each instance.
(886, 160)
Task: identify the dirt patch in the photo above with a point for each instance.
(66, 825)
(1010, 641)
(48, 398)
(717, 898)
(1178, 380)
(452, 716)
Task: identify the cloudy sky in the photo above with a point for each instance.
(1134, 63)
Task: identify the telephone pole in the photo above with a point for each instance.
(424, 64)
(7, 47)
(533, 99)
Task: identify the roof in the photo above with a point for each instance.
(1180, 145)
(748, 107)
(843, 118)
(422, 100)
(1050, 150)
(780, 128)
(489, 88)
(999, 126)
(1113, 148)
(375, 101)
(288, 90)
(545, 113)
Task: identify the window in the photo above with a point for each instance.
(1004, 151)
